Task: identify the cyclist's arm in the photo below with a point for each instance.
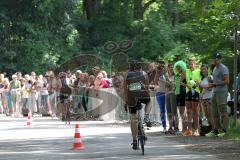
(125, 89)
(146, 82)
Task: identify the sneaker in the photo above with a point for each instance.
(187, 133)
(165, 130)
(149, 124)
(196, 134)
(211, 134)
(134, 145)
(170, 131)
(177, 132)
(221, 134)
(50, 113)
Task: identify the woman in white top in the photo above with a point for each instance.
(206, 93)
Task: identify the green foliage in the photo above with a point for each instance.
(156, 38)
(234, 129)
(42, 34)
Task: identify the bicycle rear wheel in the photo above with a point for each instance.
(141, 137)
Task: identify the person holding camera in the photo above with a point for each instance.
(206, 93)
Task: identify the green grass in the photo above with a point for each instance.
(234, 130)
(233, 134)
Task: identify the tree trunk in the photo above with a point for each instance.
(90, 8)
(175, 14)
(138, 9)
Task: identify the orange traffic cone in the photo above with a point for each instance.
(77, 145)
(29, 119)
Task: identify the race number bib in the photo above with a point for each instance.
(135, 86)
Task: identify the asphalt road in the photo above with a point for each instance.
(51, 139)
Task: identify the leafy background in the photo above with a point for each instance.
(36, 35)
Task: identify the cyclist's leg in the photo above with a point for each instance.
(134, 123)
(134, 127)
(62, 106)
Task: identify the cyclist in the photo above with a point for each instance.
(136, 92)
(65, 92)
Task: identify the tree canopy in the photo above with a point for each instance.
(37, 35)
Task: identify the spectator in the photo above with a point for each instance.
(69, 77)
(219, 98)
(54, 86)
(33, 76)
(1, 90)
(193, 77)
(160, 81)
(15, 87)
(100, 82)
(95, 70)
(26, 93)
(171, 101)
(7, 102)
(19, 76)
(90, 83)
(109, 80)
(180, 90)
(44, 103)
(33, 96)
(151, 73)
(206, 93)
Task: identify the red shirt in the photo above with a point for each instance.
(104, 84)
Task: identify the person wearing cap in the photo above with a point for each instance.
(219, 98)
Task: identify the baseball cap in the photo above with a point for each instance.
(217, 56)
(79, 71)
